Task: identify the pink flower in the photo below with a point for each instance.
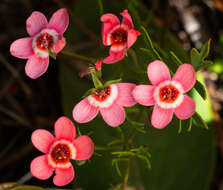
(167, 95)
(44, 37)
(119, 36)
(58, 152)
(109, 102)
(98, 64)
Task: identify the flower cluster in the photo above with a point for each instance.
(166, 94)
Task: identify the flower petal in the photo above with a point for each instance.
(59, 46)
(84, 112)
(127, 20)
(84, 146)
(40, 168)
(186, 76)
(143, 94)
(36, 66)
(64, 128)
(114, 56)
(59, 20)
(63, 176)
(22, 48)
(98, 64)
(158, 72)
(161, 117)
(125, 97)
(42, 139)
(186, 109)
(132, 37)
(35, 23)
(109, 22)
(114, 115)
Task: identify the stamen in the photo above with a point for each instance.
(61, 153)
(102, 94)
(44, 41)
(119, 36)
(168, 93)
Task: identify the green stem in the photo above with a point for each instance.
(96, 81)
(81, 57)
(124, 185)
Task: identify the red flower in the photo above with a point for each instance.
(58, 152)
(119, 36)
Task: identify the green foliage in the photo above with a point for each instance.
(201, 89)
(198, 59)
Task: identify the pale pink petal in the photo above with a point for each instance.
(125, 97)
(42, 140)
(64, 128)
(132, 37)
(59, 46)
(36, 66)
(84, 146)
(84, 112)
(186, 76)
(114, 56)
(127, 20)
(161, 117)
(143, 94)
(186, 109)
(40, 168)
(59, 21)
(158, 72)
(114, 115)
(22, 48)
(109, 22)
(63, 176)
(35, 23)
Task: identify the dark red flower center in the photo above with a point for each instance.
(102, 94)
(168, 93)
(61, 153)
(119, 36)
(44, 41)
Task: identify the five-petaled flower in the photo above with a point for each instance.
(45, 37)
(119, 36)
(167, 95)
(58, 152)
(108, 101)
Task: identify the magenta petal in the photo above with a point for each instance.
(84, 146)
(22, 48)
(59, 46)
(59, 20)
(161, 117)
(35, 23)
(109, 22)
(158, 72)
(186, 109)
(84, 112)
(64, 128)
(114, 56)
(143, 94)
(132, 37)
(40, 168)
(186, 76)
(63, 176)
(42, 140)
(36, 66)
(114, 115)
(127, 20)
(125, 97)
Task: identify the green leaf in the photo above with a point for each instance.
(198, 59)
(200, 89)
(89, 92)
(112, 82)
(176, 60)
(51, 54)
(199, 120)
(217, 67)
(149, 43)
